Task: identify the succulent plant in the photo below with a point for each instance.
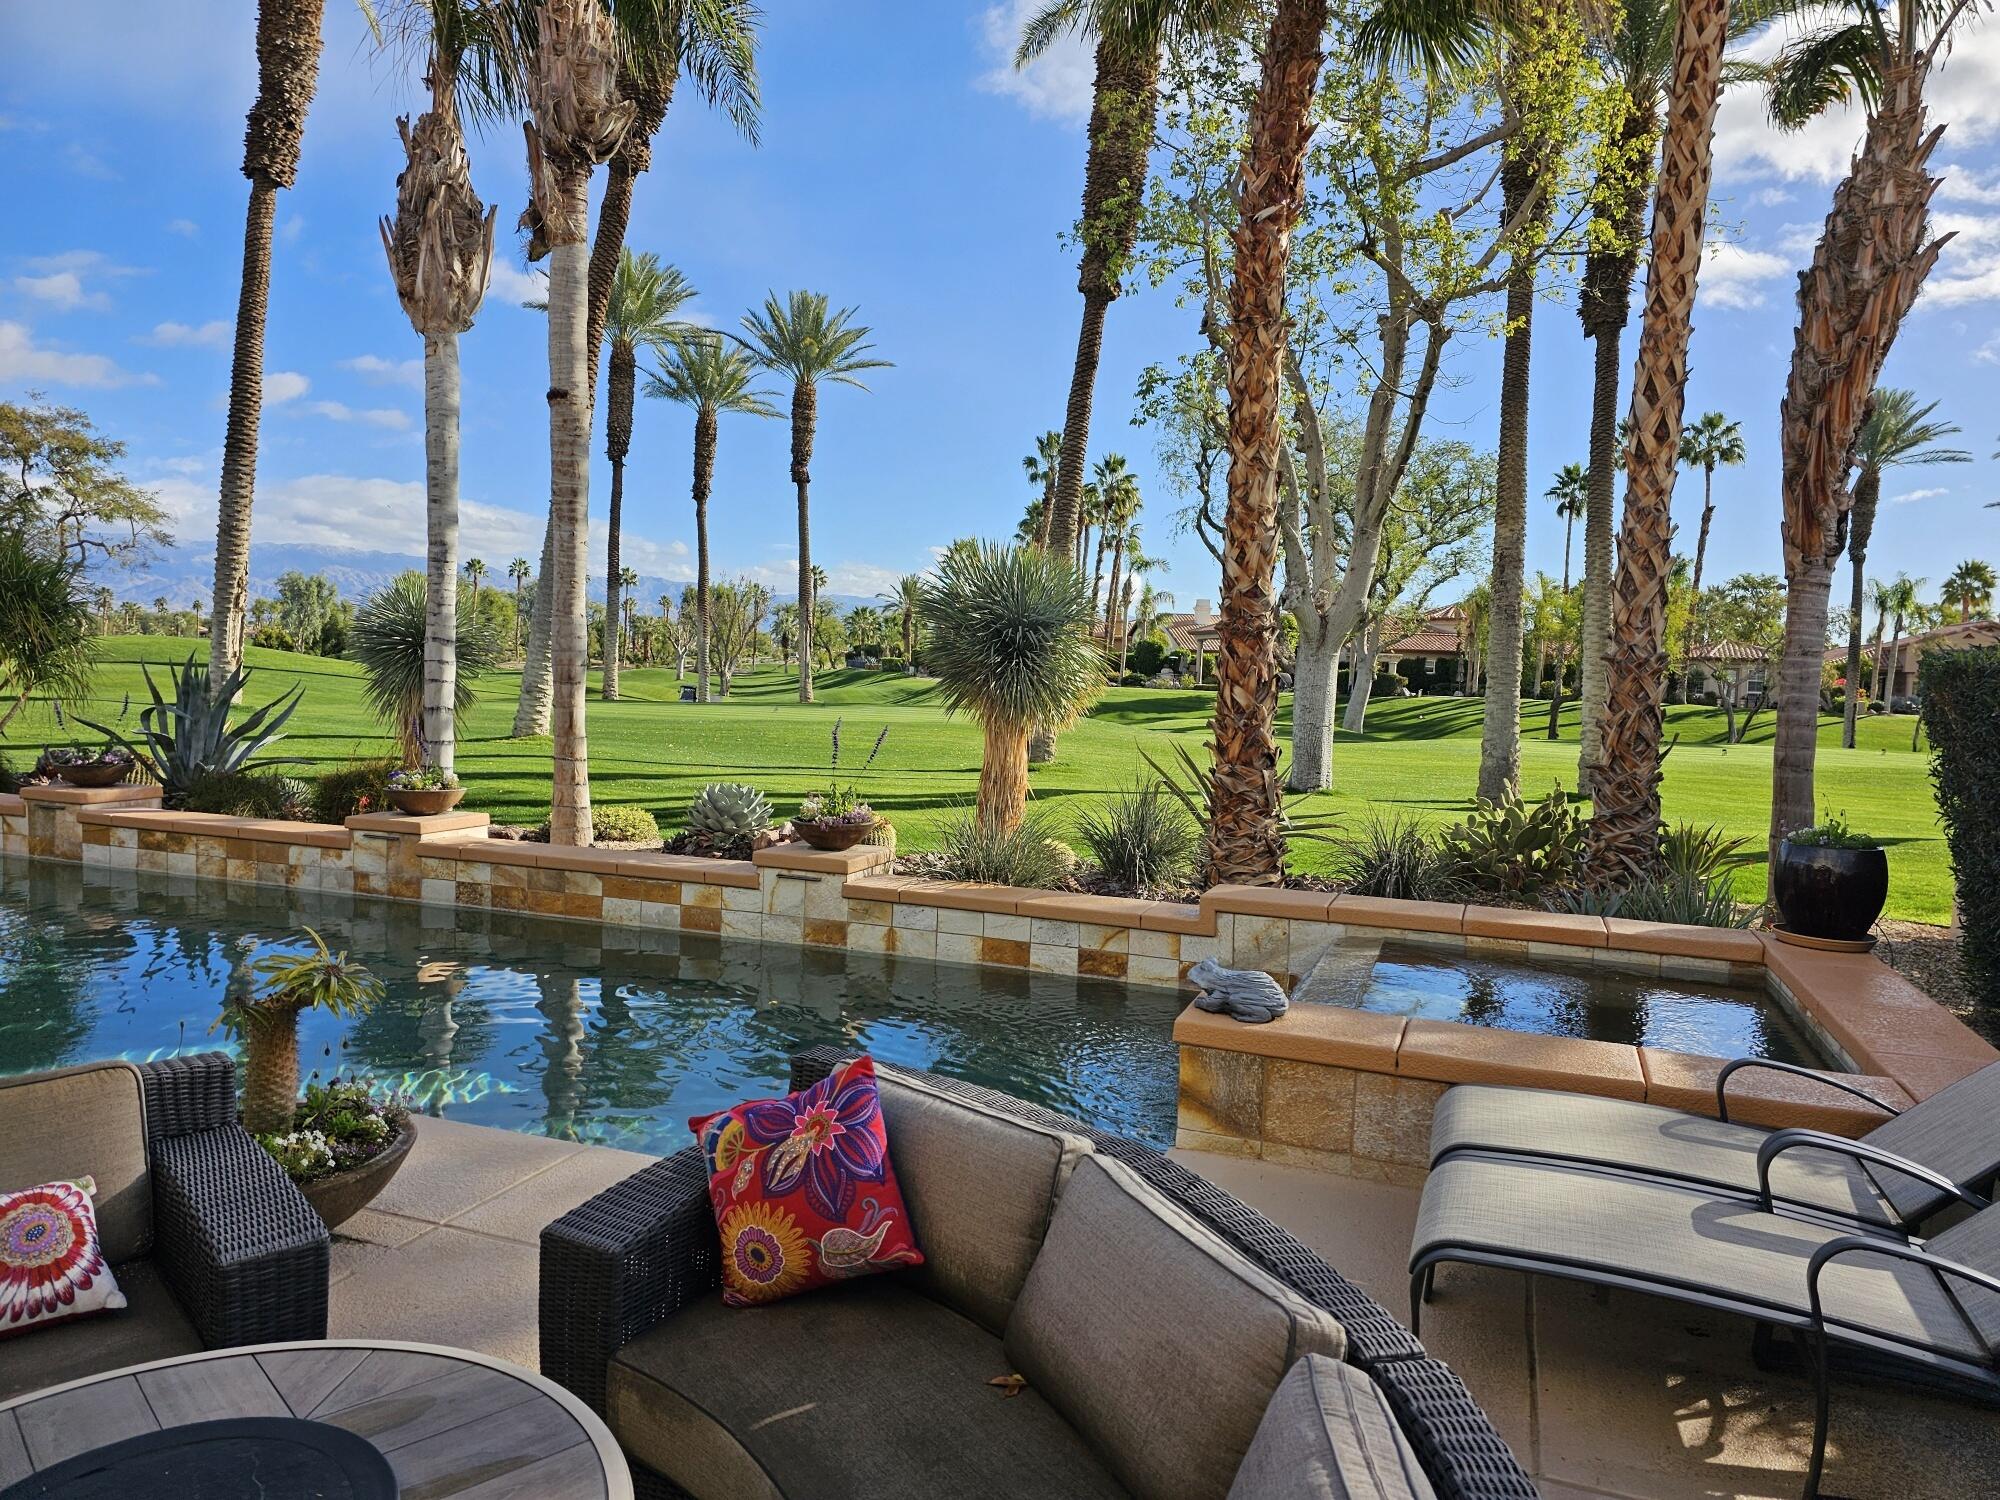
(729, 813)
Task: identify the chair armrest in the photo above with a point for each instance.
(1780, 1141)
(622, 1263)
(1738, 1064)
(242, 1249)
(1867, 1244)
(187, 1094)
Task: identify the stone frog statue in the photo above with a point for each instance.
(1241, 994)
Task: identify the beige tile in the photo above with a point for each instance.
(1392, 1118)
(958, 947)
(454, 1167)
(1044, 932)
(782, 896)
(1050, 958)
(1221, 1093)
(520, 1212)
(910, 918)
(1010, 929)
(1308, 1105)
(960, 923)
(742, 924)
(915, 943)
(1164, 972)
(468, 1291)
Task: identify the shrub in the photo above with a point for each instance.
(1023, 855)
(274, 638)
(1685, 899)
(10, 781)
(624, 825)
(1698, 853)
(358, 788)
(1142, 839)
(1515, 850)
(1397, 857)
(1133, 679)
(892, 664)
(1147, 655)
(1960, 691)
(389, 644)
(249, 794)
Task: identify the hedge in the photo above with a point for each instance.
(1960, 692)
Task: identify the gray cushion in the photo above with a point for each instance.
(150, 1326)
(1956, 1131)
(980, 1188)
(1329, 1434)
(1159, 1342)
(83, 1122)
(866, 1390)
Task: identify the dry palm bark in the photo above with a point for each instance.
(440, 249)
(1246, 840)
(617, 443)
(578, 121)
(1871, 260)
(1625, 830)
(1861, 528)
(288, 48)
(805, 420)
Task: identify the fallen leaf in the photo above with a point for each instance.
(1010, 1385)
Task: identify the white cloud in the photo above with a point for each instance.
(867, 579)
(292, 228)
(376, 416)
(1772, 197)
(1988, 353)
(62, 290)
(382, 371)
(87, 163)
(1732, 274)
(1055, 86)
(27, 363)
(1981, 285)
(186, 228)
(512, 285)
(1963, 184)
(1912, 496)
(281, 386)
(211, 335)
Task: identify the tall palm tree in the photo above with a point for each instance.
(1896, 433)
(288, 48)
(475, 569)
(801, 338)
(1571, 494)
(1040, 467)
(712, 376)
(1899, 597)
(907, 600)
(645, 295)
(1969, 589)
(518, 571)
(578, 121)
(628, 582)
(1705, 444)
(1118, 495)
(440, 249)
(1625, 828)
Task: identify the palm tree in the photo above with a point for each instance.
(1010, 643)
(1041, 467)
(518, 571)
(628, 581)
(1897, 433)
(645, 295)
(1118, 497)
(906, 601)
(391, 641)
(1571, 493)
(475, 569)
(1705, 444)
(1882, 596)
(288, 48)
(802, 339)
(578, 121)
(1900, 598)
(1969, 589)
(713, 377)
(1625, 786)
(440, 249)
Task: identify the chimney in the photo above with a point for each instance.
(1203, 612)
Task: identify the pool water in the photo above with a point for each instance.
(1581, 1000)
(555, 1028)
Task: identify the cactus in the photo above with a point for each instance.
(882, 835)
(729, 814)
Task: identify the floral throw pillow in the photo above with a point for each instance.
(803, 1190)
(51, 1266)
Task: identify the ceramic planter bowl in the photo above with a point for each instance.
(426, 801)
(94, 773)
(338, 1198)
(833, 836)
(1830, 893)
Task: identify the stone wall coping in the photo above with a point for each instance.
(1735, 945)
(1452, 1052)
(1410, 916)
(1331, 1034)
(1758, 1096)
(11, 802)
(92, 796)
(860, 860)
(1535, 926)
(629, 864)
(414, 826)
(1268, 901)
(218, 826)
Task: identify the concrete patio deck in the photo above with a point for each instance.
(1600, 1395)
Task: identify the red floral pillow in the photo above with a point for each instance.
(51, 1266)
(803, 1190)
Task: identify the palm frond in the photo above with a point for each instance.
(1819, 71)
(702, 369)
(804, 339)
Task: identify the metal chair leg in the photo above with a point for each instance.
(1822, 1403)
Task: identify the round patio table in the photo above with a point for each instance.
(447, 1421)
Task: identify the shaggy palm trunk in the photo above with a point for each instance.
(805, 417)
(617, 443)
(538, 686)
(1700, 557)
(1111, 622)
(1870, 263)
(239, 443)
(1625, 830)
(270, 1070)
(569, 504)
(1003, 777)
(1861, 527)
(441, 563)
(704, 476)
(1246, 840)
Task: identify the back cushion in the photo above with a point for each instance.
(979, 1187)
(1329, 1434)
(83, 1122)
(1158, 1342)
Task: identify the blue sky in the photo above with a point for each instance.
(905, 170)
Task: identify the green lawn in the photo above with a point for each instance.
(1419, 756)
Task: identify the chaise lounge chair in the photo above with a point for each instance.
(1931, 1308)
(1952, 1133)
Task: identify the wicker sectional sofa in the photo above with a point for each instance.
(1174, 1342)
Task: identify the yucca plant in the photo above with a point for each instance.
(1686, 900)
(268, 1023)
(1398, 858)
(191, 736)
(1023, 855)
(1010, 645)
(1702, 854)
(1143, 839)
(389, 640)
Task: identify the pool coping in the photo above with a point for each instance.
(1893, 1037)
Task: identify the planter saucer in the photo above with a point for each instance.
(1824, 945)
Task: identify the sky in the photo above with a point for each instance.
(905, 170)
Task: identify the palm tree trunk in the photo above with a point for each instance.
(805, 414)
(1625, 830)
(441, 518)
(239, 443)
(1246, 842)
(538, 686)
(1111, 598)
(1066, 525)
(1700, 557)
(618, 442)
(704, 476)
(1861, 526)
(569, 507)
(1599, 509)
(1894, 663)
(1003, 777)
(271, 1072)
(517, 616)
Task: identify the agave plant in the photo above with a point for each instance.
(191, 736)
(730, 815)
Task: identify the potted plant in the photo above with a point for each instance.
(1830, 883)
(105, 766)
(339, 1144)
(424, 790)
(836, 818)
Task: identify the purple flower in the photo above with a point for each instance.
(825, 1135)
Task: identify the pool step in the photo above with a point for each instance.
(1341, 975)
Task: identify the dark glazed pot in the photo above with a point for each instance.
(1830, 893)
(833, 836)
(426, 802)
(338, 1198)
(95, 774)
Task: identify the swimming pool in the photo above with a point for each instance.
(555, 1028)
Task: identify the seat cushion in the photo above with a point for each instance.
(1157, 1340)
(83, 1122)
(1329, 1434)
(980, 1187)
(151, 1326)
(865, 1390)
